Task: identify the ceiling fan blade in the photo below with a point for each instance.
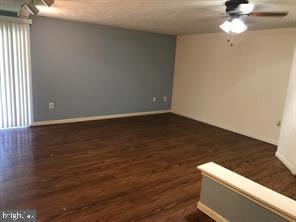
(268, 14)
(244, 9)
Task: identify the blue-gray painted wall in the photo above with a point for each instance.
(91, 70)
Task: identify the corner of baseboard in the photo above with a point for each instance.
(222, 126)
(285, 162)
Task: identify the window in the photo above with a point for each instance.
(15, 75)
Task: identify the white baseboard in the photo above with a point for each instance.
(257, 137)
(211, 213)
(91, 118)
(285, 162)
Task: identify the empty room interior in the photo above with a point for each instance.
(147, 110)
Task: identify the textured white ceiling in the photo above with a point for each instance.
(162, 16)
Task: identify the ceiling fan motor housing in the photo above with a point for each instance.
(231, 5)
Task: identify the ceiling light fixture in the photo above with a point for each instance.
(238, 26)
(31, 7)
(48, 3)
(234, 26)
(23, 13)
(226, 26)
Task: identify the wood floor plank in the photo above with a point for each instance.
(129, 169)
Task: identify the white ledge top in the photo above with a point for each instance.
(279, 203)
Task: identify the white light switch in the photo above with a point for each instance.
(51, 105)
(165, 98)
(154, 99)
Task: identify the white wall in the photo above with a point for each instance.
(287, 140)
(240, 88)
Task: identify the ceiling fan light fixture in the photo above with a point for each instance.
(234, 26)
(48, 3)
(238, 26)
(226, 26)
(23, 13)
(30, 7)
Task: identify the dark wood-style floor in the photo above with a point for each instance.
(129, 169)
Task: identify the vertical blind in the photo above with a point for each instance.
(15, 75)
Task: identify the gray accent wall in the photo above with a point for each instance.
(91, 70)
(232, 206)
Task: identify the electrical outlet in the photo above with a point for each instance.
(154, 99)
(165, 98)
(51, 105)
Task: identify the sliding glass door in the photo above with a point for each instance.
(15, 75)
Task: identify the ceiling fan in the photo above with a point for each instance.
(235, 9)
